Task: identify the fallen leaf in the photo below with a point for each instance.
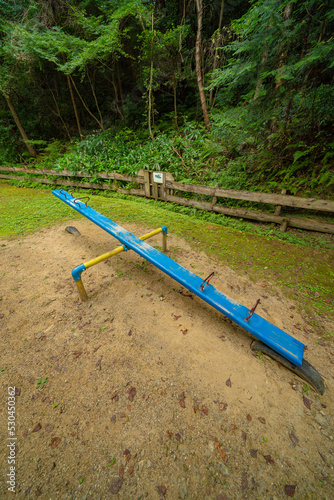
(249, 417)
(184, 330)
(126, 452)
(268, 459)
(307, 402)
(114, 395)
(262, 420)
(37, 428)
(162, 490)
(76, 354)
(24, 433)
(116, 485)
(54, 442)
(17, 391)
(293, 438)
(290, 489)
(323, 458)
(221, 452)
(121, 472)
(131, 469)
(204, 410)
(228, 382)
(244, 481)
(132, 393)
(181, 399)
(99, 363)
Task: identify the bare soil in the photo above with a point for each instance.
(150, 393)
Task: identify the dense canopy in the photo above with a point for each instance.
(231, 92)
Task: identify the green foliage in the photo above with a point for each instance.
(184, 155)
(272, 89)
(8, 142)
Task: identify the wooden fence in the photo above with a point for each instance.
(161, 185)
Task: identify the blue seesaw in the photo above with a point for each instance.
(273, 341)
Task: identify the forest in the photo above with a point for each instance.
(236, 94)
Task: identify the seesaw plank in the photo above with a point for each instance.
(269, 334)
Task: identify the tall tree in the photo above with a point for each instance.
(17, 120)
(198, 56)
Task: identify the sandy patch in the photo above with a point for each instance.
(144, 380)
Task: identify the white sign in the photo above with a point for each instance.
(158, 177)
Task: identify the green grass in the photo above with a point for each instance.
(304, 273)
(25, 210)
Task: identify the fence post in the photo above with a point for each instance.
(214, 198)
(147, 183)
(163, 187)
(154, 186)
(279, 207)
(284, 225)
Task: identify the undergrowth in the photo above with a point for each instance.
(230, 155)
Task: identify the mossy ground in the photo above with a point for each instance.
(304, 273)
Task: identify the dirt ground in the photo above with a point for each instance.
(150, 393)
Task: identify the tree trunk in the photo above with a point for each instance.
(199, 7)
(20, 126)
(150, 88)
(259, 80)
(58, 114)
(85, 106)
(73, 102)
(286, 15)
(175, 102)
(279, 82)
(215, 59)
(95, 98)
(119, 84)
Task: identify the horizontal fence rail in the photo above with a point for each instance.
(161, 185)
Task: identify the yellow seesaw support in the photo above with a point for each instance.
(76, 273)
